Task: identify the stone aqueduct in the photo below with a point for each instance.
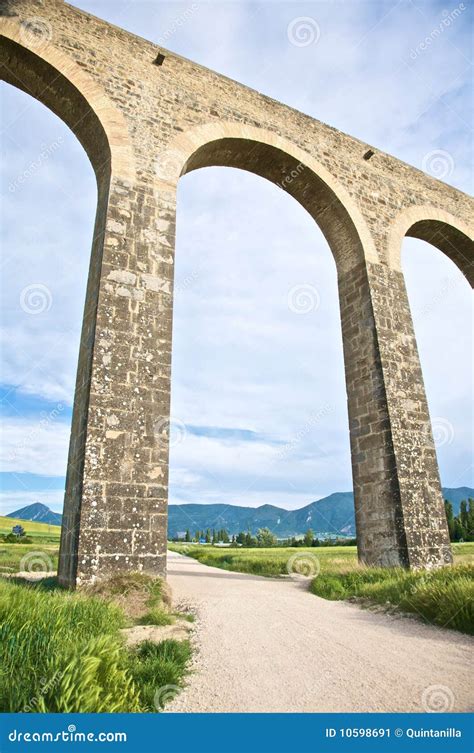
(146, 116)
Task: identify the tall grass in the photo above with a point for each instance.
(63, 652)
(442, 597)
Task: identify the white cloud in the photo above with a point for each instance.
(34, 445)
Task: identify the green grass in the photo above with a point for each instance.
(269, 562)
(156, 616)
(32, 527)
(40, 555)
(63, 652)
(158, 670)
(443, 597)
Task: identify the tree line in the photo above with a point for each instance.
(461, 528)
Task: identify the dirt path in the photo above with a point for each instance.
(268, 645)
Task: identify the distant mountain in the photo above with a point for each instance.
(331, 515)
(38, 512)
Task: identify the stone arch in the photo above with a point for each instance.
(47, 74)
(438, 227)
(280, 161)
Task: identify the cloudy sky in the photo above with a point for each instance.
(258, 397)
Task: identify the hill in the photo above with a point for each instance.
(37, 512)
(333, 515)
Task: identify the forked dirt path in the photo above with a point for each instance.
(267, 645)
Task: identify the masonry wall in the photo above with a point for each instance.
(116, 498)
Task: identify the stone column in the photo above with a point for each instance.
(398, 502)
(116, 498)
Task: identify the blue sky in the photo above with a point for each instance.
(258, 394)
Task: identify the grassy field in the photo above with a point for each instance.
(41, 554)
(63, 652)
(32, 528)
(444, 597)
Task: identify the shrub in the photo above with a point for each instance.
(158, 669)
